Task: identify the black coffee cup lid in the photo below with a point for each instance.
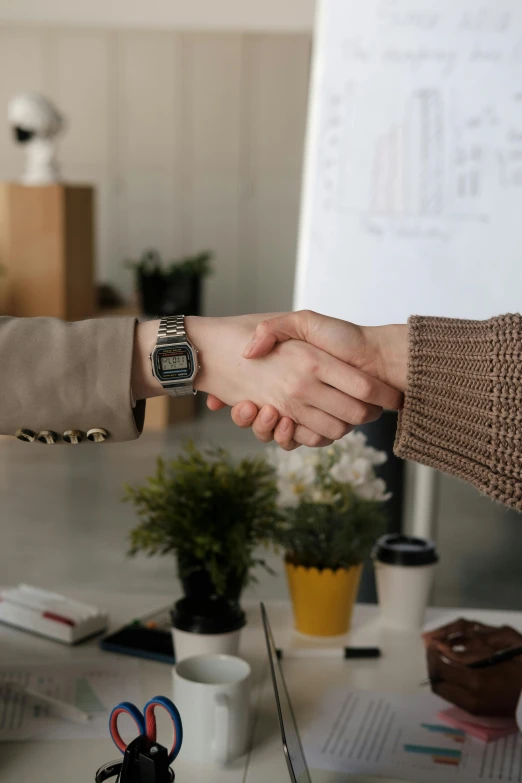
(207, 615)
(396, 549)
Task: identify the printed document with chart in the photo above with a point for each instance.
(401, 736)
(413, 170)
(93, 686)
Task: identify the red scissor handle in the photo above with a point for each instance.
(129, 709)
(146, 723)
(150, 723)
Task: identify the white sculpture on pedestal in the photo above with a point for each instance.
(36, 123)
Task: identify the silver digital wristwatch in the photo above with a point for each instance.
(174, 359)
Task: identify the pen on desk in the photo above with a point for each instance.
(60, 709)
(329, 652)
(500, 656)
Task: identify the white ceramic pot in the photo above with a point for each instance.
(188, 644)
(206, 626)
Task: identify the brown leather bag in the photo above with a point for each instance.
(463, 669)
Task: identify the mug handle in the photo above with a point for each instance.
(222, 730)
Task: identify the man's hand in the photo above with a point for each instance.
(377, 356)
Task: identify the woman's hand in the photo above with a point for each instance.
(380, 352)
(267, 425)
(300, 381)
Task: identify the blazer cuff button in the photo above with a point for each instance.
(47, 436)
(97, 435)
(27, 435)
(73, 436)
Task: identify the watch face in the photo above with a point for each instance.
(173, 363)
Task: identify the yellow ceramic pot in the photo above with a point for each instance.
(323, 600)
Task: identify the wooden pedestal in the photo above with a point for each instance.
(47, 250)
(164, 412)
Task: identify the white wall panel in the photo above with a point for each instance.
(276, 218)
(193, 141)
(216, 83)
(22, 67)
(278, 99)
(277, 68)
(80, 85)
(213, 130)
(238, 15)
(147, 148)
(79, 81)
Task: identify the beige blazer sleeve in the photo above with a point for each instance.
(56, 377)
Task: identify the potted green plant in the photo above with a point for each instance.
(211, 513)
(332, 502)
(170, 288)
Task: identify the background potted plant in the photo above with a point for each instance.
(211, 513)
(170, 288)
(332, 502)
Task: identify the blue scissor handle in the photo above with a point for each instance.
(172, 711)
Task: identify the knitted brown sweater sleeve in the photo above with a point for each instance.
(463, 402)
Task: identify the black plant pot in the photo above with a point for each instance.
(197, 583)
(170, 294)
(381, 435)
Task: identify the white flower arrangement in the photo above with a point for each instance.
(331, 502)
(312, 475)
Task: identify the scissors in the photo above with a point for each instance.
(146, 723)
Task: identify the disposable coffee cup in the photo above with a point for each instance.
(404, 569)
(205, 626)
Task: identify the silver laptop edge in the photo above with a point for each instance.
(292, 746)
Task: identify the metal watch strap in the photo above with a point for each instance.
(172, 329)
(181, 390)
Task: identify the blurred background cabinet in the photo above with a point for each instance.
(47, 250)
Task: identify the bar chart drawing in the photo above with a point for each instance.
(429, 163)
(407, 176)
(439, 754)
(457, 735)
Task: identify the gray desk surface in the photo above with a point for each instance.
(401, 668)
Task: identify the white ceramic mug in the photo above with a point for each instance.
(212, 694)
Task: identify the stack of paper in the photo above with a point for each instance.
(94, 687)
(401, 736)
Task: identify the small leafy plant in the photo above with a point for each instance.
(151, 264)
(332, 503)
(210, 511)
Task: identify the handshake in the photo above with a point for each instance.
(304, 378)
